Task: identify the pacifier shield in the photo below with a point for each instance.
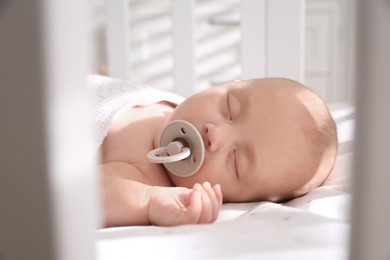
(189, 136)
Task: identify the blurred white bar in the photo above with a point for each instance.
(273, 38)
(48, 185)
(371, 209)
(183, 22)
(253, 34)
(71, 158)
(117, 35)
(285, 46)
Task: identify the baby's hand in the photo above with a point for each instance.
(170, 206)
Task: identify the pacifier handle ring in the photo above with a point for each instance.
(156, 157)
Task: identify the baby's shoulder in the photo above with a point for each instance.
(130, 138)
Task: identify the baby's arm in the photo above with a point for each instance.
(129, 202)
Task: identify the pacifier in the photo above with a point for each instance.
(181, 149)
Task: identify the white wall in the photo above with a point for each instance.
(330, 49)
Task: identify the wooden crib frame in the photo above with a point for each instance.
(48, 187)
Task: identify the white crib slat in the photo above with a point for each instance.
(117, 35)
(69, 139)
(183, 22)
(253, 19)
(272, 38)
(286, 38)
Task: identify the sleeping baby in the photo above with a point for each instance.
(268, 139)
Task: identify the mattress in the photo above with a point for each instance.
(314, 226)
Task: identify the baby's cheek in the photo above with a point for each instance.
(209, 174)
(187, 182)
(205, 173)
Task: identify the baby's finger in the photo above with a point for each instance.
(207, 210)
(218, 191)
(194, 210)
(214, 200)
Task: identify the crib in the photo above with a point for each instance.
(265, 46)
(49, 190)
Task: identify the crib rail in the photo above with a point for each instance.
(48, 199)
(118, 38)
(48, 186)
(183, 20)
(272, 40)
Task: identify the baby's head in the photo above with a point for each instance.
(265, 139)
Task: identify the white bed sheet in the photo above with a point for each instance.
(315, 226)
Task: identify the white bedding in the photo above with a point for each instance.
(314, 226)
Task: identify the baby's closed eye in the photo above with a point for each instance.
(233, 105)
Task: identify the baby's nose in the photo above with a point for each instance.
(214, 137)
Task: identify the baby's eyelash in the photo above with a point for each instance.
(228, 106)
(235, 162)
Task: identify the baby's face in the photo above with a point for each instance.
(254, 146)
